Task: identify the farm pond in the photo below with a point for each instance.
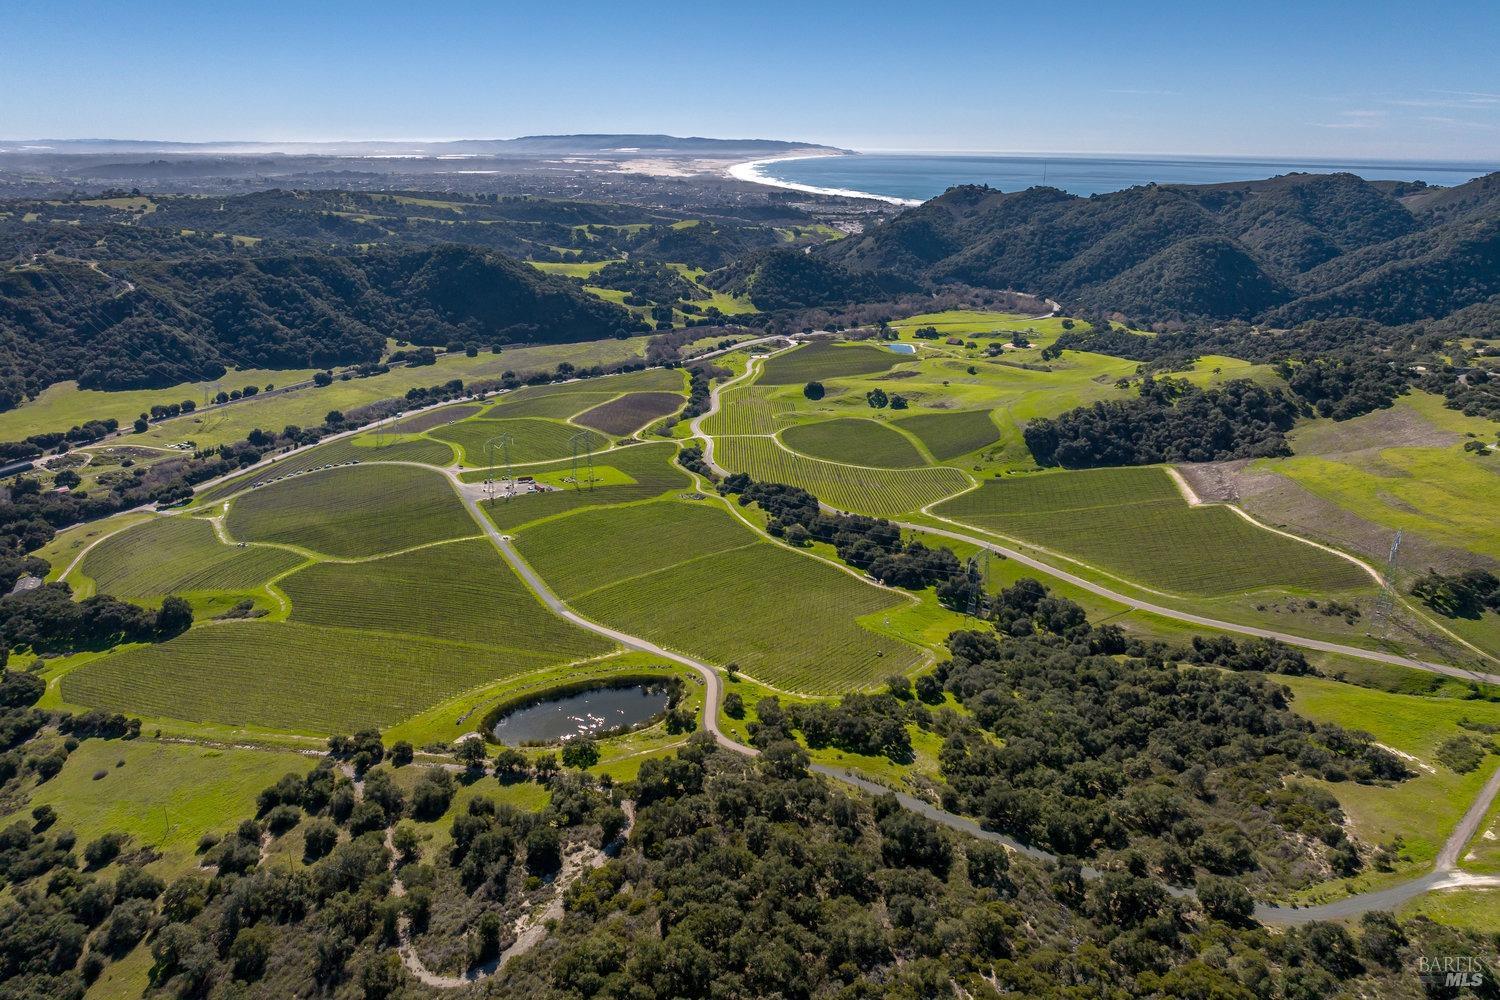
(593, 711)
(903, 348)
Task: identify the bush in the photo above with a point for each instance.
(282, 818)
(100, 852)
(318, 838)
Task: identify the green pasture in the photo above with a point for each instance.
(1213, 370)
(571, 268)
(1476, 910)
(855, 442)
(63, 405)
(166, 796)
(1133, 523)
(350, 512)
(1423, 810)
(1441, 493)
(308, 407)
(978, 323)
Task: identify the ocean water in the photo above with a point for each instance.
(914, 177)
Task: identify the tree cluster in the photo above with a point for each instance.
(872, 544)
(1183, 765)
(1466, 594)
(1183, 424)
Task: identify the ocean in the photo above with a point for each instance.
(917, 177)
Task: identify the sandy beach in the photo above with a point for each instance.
(751, 171)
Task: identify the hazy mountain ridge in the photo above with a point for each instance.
(604, 143)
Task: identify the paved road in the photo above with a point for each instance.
(1444, 873)
(713, 687)
(1443, 876)
(1449, 670)
(1214, 623)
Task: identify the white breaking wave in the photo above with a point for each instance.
(751, 171)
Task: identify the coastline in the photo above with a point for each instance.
(750, 171)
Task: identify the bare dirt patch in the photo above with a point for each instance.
(1283, 503)
(1398, 427)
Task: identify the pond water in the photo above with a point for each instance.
(903, 348)
(582, 713)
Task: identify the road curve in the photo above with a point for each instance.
(713, 687)
(696, 427)
(1214, 623)
(1444, 874)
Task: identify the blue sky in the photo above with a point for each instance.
(1373, 79)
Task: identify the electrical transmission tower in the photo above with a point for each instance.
(1385, 605)
(582, 446)
(504, 441)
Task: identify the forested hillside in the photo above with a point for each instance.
(790, 279)
(1284, 250)
(133, 323)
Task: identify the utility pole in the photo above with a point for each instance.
(582, 446)
(1385, 604)
(504, 440)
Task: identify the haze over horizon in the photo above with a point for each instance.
(1348, 82)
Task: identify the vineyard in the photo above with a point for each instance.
(434, 418)
(825, 360)
(1135, 524)
(783, 618)
(883, 492)
(460, 592)
(596, 548)
(747, 409)
(949, 435)
(348, 451)
(287, 675)
(176, 555)
(630, 412)
(557, 405)
(855, 441)
(649, 467)
(359, 510)
(532, 439)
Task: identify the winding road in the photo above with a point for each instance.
(1289, 638)
(1445, 873)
